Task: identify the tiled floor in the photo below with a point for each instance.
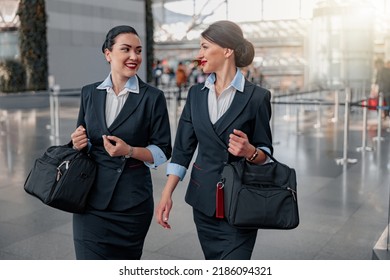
(343, 208)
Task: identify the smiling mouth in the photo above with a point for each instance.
(131, 65)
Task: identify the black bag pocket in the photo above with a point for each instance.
(270, 207)
(46, 177)
(73, 199)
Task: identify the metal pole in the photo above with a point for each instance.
(287, 115)
(388, 225)
(380, 109)
(175, 108)
(364, 146)
(51, 83)
(56, 91)
(346, 125)
(319, 115)
(297, 121)
(52, 122)
(272, 110)
(345, 159)
(318, 109)
(273, 117)
(336, 107)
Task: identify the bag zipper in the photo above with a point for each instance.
(59, 173)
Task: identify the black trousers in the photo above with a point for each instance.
(221, 241)
(108, 235)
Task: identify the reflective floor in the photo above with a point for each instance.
(343, 207)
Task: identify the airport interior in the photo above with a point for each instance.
(317, 57)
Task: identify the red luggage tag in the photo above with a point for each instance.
(219, 213)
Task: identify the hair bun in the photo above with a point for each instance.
(244, 53)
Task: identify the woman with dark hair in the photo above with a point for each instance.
(123, 124)
(226, 118)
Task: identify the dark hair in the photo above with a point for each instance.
(229, 35)
(115, 31)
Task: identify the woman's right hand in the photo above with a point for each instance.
(163, 209)
(79, 138)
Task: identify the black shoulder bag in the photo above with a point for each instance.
(260, 196)
(62, 178)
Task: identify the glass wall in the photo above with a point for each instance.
(9, 45)
(9, 22)
(341, 45)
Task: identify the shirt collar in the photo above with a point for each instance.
(131, 85)
(238, 81)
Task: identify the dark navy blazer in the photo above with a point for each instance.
(250, 112)
(123, 183)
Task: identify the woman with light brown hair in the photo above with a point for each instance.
(225, 119)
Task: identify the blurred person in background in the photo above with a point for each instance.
(181, 78)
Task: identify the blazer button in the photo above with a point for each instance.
(119, 170)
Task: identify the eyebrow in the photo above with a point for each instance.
(130, 46)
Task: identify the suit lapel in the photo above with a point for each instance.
(99, 103)
(205, 117)
(239, 102)
(130, 106)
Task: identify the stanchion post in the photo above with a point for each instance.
(52, 120)
(51, 83)
(272, 109)
(297, 121)
(319, 108)
(56, 92)
(336, 107)
(287, 116)
(273, 116)
(380, 109)
(364, 146)
(345, 159)
(175, 108)
(388, 224)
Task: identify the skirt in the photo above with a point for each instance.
(108, 235)
(221, 241)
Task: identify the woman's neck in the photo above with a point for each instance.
(118, 84)
(223, 79)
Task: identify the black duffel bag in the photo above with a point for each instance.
(62, 178)
(260, 196)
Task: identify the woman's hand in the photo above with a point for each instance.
(165, 205)
(115, 146)
(79, 138)
(163, 209)
(239, 144)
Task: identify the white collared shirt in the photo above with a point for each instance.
(219, 105)
(115, 103)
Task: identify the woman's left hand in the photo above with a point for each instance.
(239, 144)
(115, 146)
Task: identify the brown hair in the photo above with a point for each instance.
(229, 35)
